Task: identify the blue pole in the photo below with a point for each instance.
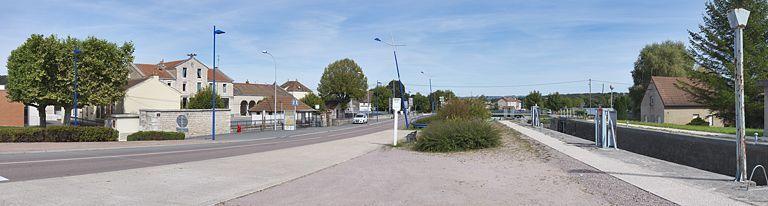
(213, 90)
(75, 97)
(402, 94)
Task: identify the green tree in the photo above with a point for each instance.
(103, 71)
(534, 98)
(555, 102)
(36, 75)
(434, 98)
(421, 103)
(712, 49)
(669, 59)
(621, 104)
(202, 100)
(381, 96)
(398, 90)
(342, 81)
(312, 99)
(42, 72)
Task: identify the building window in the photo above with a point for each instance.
(184, 87)
(224, 88)
(199, 86)
(199, 73)
(184, 72)
(169, 84)
(243, 108)
(184, 103)
(226, 102)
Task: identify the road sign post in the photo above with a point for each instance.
(395, 108)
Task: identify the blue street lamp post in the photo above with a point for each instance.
(75, 52)
(213, 90)
(402, 93)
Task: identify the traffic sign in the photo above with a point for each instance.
(396, 104)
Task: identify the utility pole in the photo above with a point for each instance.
(738, 21)
(590, 93)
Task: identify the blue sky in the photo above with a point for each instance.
(470, 47)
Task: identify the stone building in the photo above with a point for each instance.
(665, 102)
(188, 76)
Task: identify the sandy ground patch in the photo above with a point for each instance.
(521, 172)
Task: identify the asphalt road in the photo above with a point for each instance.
(30, 166)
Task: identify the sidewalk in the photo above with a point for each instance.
(685, 189)
(192, 183)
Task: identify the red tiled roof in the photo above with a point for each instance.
(510, 99)
(295, 86)
(249, 89)
(671, 93)
(220, 76)
(153, 70)
(283, 103)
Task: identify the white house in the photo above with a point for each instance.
(296, 88)
(188, 76)
(509, 103)
(148, 93)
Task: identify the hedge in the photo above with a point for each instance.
(57, 134)
(155, 135)
(458, 135)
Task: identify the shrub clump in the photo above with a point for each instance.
(155, 135)
(464, 109)
(427, 120)
(458, 135)
(57, 134)
(698, 121)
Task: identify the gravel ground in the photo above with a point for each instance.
(521, 172)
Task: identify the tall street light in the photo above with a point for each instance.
(402, 93)
(378, 84)
(75, 52)
(213, 90)
(738, 21)
(274, 111)
(431, 102)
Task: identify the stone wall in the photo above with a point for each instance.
(198, 121)
(707, 153)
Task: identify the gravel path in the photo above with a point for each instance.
(522, 172)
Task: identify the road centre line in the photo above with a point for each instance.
(173, 152)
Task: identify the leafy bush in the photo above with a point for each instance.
(458, 135)
(699, 122)
(58, 134)
(464, 109)
(427, 120)
(155, 135)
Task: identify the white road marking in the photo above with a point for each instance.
(2, 179)
(173, 152)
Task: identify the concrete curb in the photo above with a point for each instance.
(672, 190)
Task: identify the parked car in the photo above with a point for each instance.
(360, 119)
